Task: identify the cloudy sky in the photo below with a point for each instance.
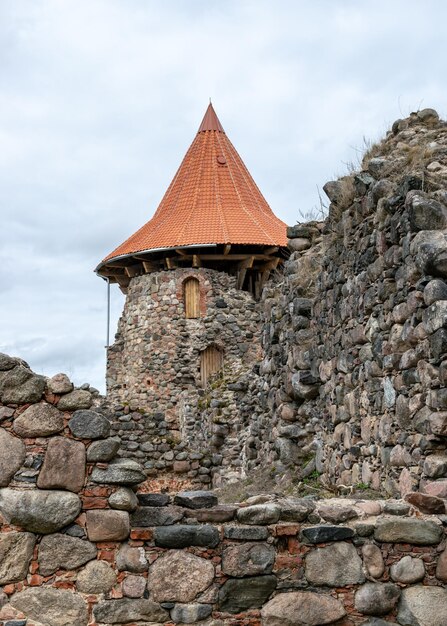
(99, 100)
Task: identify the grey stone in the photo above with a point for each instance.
(20, 385)
(126, 610)
(62, 454)
(377, 621)
(182, 536)
(424, 212)
(153, 499)
(39, 511)
(335, 565)
(123, 499)
(107, 525)
(131, 559)
(59, 384)
(302, 608)
(427, 504)
(59, 551)
(88, 424)
(429, 247)
(435, 290)
(39, 420)
(336, 513)
(16, 551)
(12, 456)
(134, 586)
(408, 570)
(324, 533)
(246, 533)
(120, 472)
(216, 515)
(96, 577)
(248, 559)
(259, 514)
(103, 450)
(435, 466)
(196, 499)
(423, 606)
(376, 598)
(428, 115)
(407, 530)
(76, 400)
(146, 516)
(334, 190)
(295, 510)
(179, 576)
(44, 604)
(373, 560)
(240, 594)
(7, 362)
(190, 613)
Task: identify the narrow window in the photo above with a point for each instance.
(211, 361)
(191, 293)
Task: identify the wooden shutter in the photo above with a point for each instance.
(192, 298)
(211, 361)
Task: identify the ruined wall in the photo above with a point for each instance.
(163, 416)
(355, 335)
(81, 543)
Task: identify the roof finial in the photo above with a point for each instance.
(210, 100)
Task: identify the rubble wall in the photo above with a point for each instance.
(82, 541)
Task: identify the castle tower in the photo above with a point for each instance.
(192, 276)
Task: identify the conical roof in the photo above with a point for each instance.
(212, 200)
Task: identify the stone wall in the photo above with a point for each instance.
(352, 382)
(81, 544)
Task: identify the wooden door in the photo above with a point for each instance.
(211, 361)
(192, 298)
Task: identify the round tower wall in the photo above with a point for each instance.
(154, 366)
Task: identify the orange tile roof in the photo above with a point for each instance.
(211, 200)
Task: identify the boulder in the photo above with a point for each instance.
(39, 511)
(248, 559)
(190, 613)
(153, 499)
(246, 533)
(62, 454)
(103, 450)
(429, 247)
(423, 606)
(335, 565)
(60, 551)
(59, 384)
(123, 499)
(241, 594)
(441, 568)
(120, 472)
(325, 533)
(39, 420)
(336, 513)
(76, 400)
(134, 586)
(12, 455)
(295, 510)
(20, 385)
(425, 213)
(96, 577)
(183, 536)
(408, 570)
(259, 514)
(44, 605)
(107, 525)
(179, 576)
(373, 560)
(427, 504)
(302, 608)
(88, 424)
(126, 610)
(16, 551)
(131, 559)
(196, 499)
(408, 530)
(376, 598)
(7, 362)
(146, 516)
(216, 515)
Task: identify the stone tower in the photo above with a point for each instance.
(192, 276)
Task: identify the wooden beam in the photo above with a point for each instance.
(181, 252)
(234, 257)
(241, 277)
(265, 271)
(271, 250)
(150, 266)
(227, 249)
(196, 261)
(246, 263)
(133, 270)
(117, 271)
(171, 263)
